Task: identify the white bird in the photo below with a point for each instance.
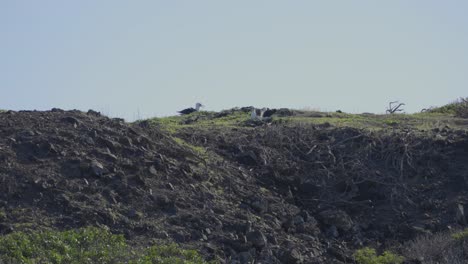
(253, 115)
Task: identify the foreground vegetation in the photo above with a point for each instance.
(96, 245)
(458, 108)
(86, 245)
(440, 248)
(369, 256)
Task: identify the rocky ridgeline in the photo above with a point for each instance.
(274, 194)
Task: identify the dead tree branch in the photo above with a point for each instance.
(394, 107)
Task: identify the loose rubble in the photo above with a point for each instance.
(266, 193)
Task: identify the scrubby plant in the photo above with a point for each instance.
(440, 248)
(2, 214)
(429, 247)
(391, 122)
(461, 236)
(458, 108)
(368, 255)
(169, 254)
(86, 245)
(462, 110)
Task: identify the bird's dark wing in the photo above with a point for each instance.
(187, 111)
(269, 112)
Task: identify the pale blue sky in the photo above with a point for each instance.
(152, 58)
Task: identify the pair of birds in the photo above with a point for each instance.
(257, 114)
(260, 114)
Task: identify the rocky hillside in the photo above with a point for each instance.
(302, 187)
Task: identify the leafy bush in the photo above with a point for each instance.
(86, 245)
(458, 108)
(391, 122)
(461, 236)
(169, 254)
(369, 256)
(89, 245)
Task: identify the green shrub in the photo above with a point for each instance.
(369, 256)
(391, 122)
(461, 236)
(86, 245)
(458, 108)
(169, 254)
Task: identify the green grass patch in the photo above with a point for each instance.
(167, 124)
(236, 119)
(233, 119)
(199, 151)
(172, 124)
(169, 254)
(461, 236)
(419, 121)
(86, 245)
(369, 256)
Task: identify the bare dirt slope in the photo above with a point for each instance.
(274, 193)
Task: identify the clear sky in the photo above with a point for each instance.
(151, 58)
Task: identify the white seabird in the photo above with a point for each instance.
(253, 115)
